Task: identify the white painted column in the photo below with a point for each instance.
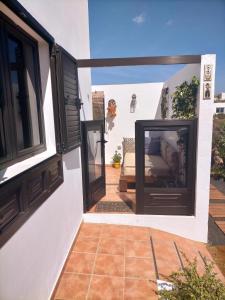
(204, 144)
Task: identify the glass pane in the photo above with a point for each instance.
(2, 129)
(21, 110)
(31, 85)
(166, 158)
(94, 154)
(21, 63)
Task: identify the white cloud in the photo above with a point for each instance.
(139, 19)
(169, 22)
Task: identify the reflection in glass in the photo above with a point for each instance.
(31, 87)
(166, 158)
(94, 155)
(21, 63)
(2, 129)
(17, 74)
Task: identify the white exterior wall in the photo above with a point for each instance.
(184, 74)
(192, 227)
(31, 261)
(148, 96)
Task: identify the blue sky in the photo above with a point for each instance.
(123, 28)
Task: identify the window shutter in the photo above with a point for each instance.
(66, 100)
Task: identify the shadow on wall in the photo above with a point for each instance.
(109, 122)
(162, 108)
(44, 67)
(111, 114)
(72, 159)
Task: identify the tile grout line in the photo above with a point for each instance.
(109, 254)
(154, 258)
(203, 258)
(93, 268)
(124, 250)
(111, 276)
(178, 254)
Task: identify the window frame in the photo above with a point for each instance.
(14, 155)
(220, 110)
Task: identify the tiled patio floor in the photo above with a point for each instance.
(217, 206)
(112, 189)
(117, 262)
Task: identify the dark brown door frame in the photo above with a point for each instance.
(143, 194)
(138, 61)
(99, 183)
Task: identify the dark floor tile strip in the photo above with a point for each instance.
(203, 258)
(215, 234)
(218, 218)
(217, 201)
(179, 256)
(154, 259)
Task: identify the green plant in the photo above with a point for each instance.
(218, 153)
(117, 157)
(184, 99)
(189, 285)
(220, 142)
(218, 172)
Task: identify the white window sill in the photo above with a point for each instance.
(24, 165)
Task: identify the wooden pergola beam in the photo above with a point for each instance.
(138, 61)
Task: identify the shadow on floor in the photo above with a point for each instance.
(219, 184)
(215, 234)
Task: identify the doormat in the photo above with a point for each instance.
(113, 206)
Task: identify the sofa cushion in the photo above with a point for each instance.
(154, 165)
(129, 145)
(129, 160)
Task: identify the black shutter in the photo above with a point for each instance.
(66, 100)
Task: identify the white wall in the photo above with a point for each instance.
(31, 261)
(192, 227)
(6, 174)
(148, 96)
(204, 146)
(184, 74)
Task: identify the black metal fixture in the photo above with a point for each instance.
(133, 103)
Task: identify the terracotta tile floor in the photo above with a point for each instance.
(112, 189)
(112, 262)
(217, 206)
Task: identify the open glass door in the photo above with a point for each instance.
(165, 167)
(93, 160)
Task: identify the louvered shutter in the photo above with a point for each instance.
(66, 100)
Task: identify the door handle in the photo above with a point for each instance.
(102, 141)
